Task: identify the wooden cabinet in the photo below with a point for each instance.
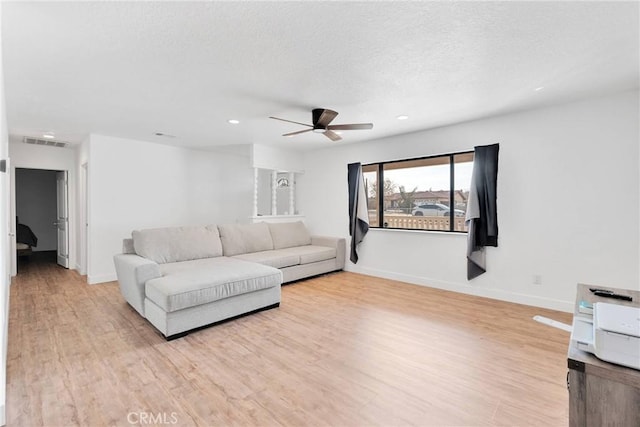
(602, 393)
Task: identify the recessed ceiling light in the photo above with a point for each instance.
(337, 132)
(402, 117)
(233, 121)
(539, 88)
(48, 135)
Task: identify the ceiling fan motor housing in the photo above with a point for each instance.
(321, 119)
(316, 113)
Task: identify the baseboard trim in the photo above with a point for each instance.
(532, 300)
(102, 278)
(80, 270)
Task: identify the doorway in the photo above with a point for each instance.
(42, 221)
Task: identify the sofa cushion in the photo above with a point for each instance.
(192, 283)
(309, 253)
(178, 267)
(245, 238)
(289, 234)
(175, 244)
(278, 258)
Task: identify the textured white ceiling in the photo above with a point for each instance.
(131, 69)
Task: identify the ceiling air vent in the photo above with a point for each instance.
(48, 142)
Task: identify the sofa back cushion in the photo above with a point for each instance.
(175, 244)
(289, 234)
(245, 238)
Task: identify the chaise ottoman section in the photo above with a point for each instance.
(177, 301)
(179, 323)
(217, 279)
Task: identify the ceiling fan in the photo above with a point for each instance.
(321, 119)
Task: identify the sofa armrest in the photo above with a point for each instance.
(339, 243)
(133, 272)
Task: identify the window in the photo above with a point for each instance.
(428, 193)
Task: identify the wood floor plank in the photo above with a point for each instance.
(342, 350)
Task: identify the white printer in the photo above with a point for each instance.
(613, 334)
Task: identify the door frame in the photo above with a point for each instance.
(70, 209)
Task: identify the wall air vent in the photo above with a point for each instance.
(48, 142)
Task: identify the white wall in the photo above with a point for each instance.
(37, 205)
(81, 212)
(266, 157)
(52, 158)
(568, 203)
(135, 184)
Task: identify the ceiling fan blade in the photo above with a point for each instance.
(352, 126)
(296, 133)
(291, 121)
(322, 117)
(332, 135)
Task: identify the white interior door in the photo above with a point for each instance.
(62, 221)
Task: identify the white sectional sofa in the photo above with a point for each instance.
(186, 278)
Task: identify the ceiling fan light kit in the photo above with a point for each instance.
(322, 117)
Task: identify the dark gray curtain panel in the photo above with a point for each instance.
(358, 215)
(482, 213)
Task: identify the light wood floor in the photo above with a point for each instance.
(342, 350)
